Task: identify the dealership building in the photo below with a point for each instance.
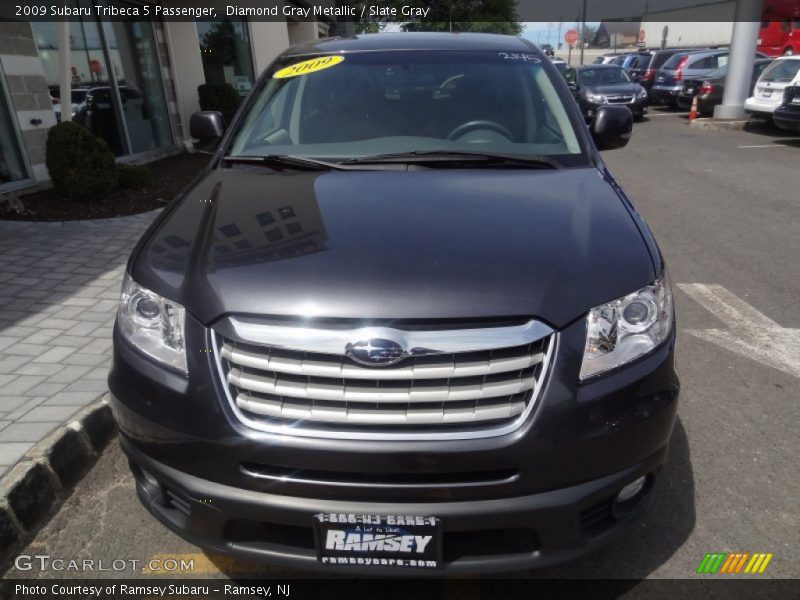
(140, 76)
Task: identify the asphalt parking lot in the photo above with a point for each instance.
(725, 208)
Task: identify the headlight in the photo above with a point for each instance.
(622, 330)
(153, 324)
(596, 98)
(643, 93)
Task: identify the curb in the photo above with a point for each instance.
(710, 124)
(36, 486)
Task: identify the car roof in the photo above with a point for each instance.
(707, 52)
(412, 41)
(606, 66)
(678, 50)
(788, 57)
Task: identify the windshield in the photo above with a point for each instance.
(607, 76)
(781, 70)
(659, 58)
(372, 103)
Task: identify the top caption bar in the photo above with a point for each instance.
(400, 11)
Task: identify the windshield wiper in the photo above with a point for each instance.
(456, 157)
(283, 160)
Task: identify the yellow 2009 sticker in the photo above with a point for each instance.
(308, 66)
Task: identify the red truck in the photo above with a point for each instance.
(782, 37)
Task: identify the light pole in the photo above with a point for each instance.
(558, 37)
(747, 20)
(583, 29)
(450, 16)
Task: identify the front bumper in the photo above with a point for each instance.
(499, 535)
(193, 460)
(638, 107)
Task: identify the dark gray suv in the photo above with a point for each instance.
(690, 64)
(405, 321)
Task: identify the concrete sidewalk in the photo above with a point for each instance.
(59, 287)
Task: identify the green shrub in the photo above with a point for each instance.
(81, 165)
(221, 97)
(134, 177)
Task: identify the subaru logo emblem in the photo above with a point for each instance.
(375, 352)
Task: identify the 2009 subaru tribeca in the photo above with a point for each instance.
(405, 320)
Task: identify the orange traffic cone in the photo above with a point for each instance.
(693, 112)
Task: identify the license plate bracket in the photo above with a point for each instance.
(399, 541)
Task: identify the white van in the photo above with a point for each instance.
(768, 92)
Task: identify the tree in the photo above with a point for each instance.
(218, 45)
(588, 33)
(483, 16)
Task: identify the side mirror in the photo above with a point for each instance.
(207, 127)
(611, 127)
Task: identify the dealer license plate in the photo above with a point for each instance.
(766, 93)
(378, 540)
(690, 90)
(796, 100)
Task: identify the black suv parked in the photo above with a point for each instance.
(597, 85)
(787, 115)
(405, 321)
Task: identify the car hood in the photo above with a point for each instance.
(396, 245)
(615, 88)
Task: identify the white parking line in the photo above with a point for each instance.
(750, 332)
(773, 145)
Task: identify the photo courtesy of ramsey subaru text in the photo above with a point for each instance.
(406, 321)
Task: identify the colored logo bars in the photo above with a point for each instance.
(734, 562)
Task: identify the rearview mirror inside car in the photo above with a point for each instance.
(611, 127)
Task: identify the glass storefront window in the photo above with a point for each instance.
(225, 51)
(11, 166)
(124, 104)
(133, 55)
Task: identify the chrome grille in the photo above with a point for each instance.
(620, 99)
(286, 386)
